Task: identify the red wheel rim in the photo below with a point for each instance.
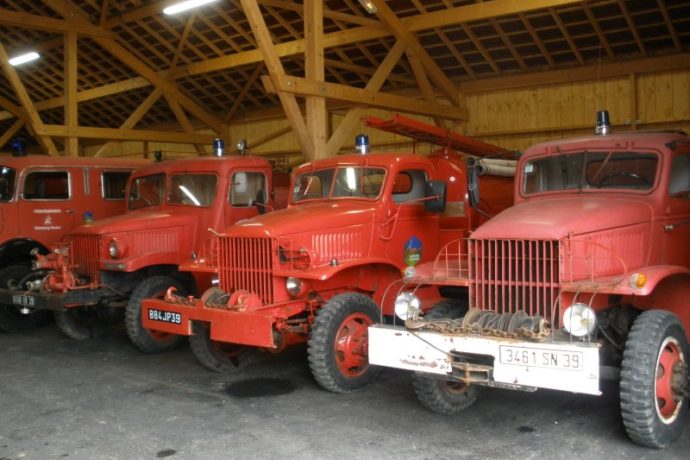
(351, 345)
(667, 406)
(456, 388)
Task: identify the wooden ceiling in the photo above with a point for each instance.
(140, 73)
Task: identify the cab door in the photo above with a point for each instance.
(247, 195)
(677, 220)
(413, 236)
(46, 202)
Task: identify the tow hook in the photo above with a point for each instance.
(679, 382)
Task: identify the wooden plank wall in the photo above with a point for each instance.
(513, 118)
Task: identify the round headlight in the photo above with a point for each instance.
(579, 320)
(293, 285)
(407, 305)
(113, 249)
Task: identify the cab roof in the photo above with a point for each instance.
(204, 164)
(662, 140)
(22, 162)
(385, 160)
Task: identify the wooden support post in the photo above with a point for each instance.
(275, 71)
(71, 107)
(315, 105)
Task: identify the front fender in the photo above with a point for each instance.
(324, 273)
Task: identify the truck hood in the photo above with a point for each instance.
(137, 220)
(555, 218)
(308, 217)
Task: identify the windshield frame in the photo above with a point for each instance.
(583, 183)
(130, 190)
(10, 183)
(333, 183)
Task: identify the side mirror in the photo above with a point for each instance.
(437, 190)
(472, 183)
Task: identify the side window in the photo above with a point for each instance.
(679, 182)
(248, 189)
(408, 185)
(46, 185)
(114, 184)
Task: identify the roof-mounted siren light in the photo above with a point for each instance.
(603, 126)
(218, 147)
(242, 147)
(362, 144)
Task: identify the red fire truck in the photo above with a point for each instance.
(317, 271)
(173, 208)
(42, 198)
(586, 278)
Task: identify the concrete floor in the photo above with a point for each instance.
(101, 399)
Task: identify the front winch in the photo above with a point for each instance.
(517, 325)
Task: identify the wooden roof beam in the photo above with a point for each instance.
(633, 28)
(353, 116)
(60, 26)
(120, 134)
(34, 119)
(66, 9)
(135, 116)
(276, 72)
(11, 131)
(303, 87)
(566, 35)
(669, 24)
(389, 18)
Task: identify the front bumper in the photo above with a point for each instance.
(246, 327)
(54, 302)
(509, 363)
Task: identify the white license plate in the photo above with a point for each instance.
(24, 300)
(540, 357)
(165, 316)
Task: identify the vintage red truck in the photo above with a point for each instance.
(116, 262)
(317, 271)
(585, 278)
(42, 198)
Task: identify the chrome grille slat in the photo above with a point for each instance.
(246, 264)
(511, 275)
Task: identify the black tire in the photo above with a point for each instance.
(146, 340)
(447, 308)
(77, 323)
(218, 356)
(443, 396)
(440, 395)
(652, 415)
(342, 365)
(11, 318)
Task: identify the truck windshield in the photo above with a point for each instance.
(7, 176)
(193, 189)
(341, 182)
(147, 191)
(590, 171)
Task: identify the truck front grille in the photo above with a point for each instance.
(510, 275)
(85, 255)
(246, 264)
